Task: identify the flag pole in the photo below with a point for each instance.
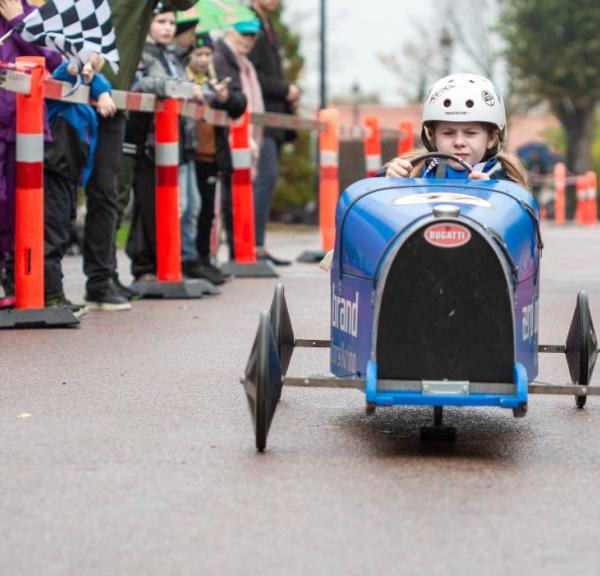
(6, 36)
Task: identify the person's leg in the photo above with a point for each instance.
(101, 217)
(8, 173)
(189, 204)
(8, 182)
(206, 176)
(227, 210)
(58, 206)
(264, 186)
(141, 243)
(7, 218)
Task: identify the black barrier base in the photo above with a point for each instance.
(51, 317)
(311, 256)
(184, 290)
(260, 269)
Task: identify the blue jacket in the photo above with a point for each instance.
(81, 116)
(493, 167)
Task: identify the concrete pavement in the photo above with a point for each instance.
(126, 448)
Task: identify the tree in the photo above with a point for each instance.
(458, 37)
(296, 169)
(553, 48)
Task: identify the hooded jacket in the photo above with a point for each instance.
(158, 65)
(11, 48)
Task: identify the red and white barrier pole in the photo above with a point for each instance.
(407, 136)
(580, 198)
(329, 184)
(244, 238)
(29, 210)
(591, 206)
(372, 145)
(560, 186)
(168, 234)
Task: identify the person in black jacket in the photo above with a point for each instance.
(213, 156)
(279, 96)
(226, 66)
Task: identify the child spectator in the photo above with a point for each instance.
(12, 13)
(68, 162)
(189, 197)
(212, 152)
(158, 66)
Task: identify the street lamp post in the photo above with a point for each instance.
(322, 57)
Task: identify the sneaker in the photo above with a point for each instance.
(108, 299)
(61, 301)
(6, 301)
(195, 269)
(208, 262)
(123, 290)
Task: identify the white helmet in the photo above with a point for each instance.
(464, 98)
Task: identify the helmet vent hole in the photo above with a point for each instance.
(447, 103)
(469, 103)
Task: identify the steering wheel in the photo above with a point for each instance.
(443, 155)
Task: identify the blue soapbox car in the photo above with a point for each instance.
(434, 302)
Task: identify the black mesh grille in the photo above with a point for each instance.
(446, 313)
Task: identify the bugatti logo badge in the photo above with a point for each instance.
(488, 98)
(447, 235)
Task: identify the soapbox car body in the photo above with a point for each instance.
(434, 301)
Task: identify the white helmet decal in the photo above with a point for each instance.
(465, 98)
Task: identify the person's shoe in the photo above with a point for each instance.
(123, 290)
(207, 261)
(108, 299)
(6, 301)
(61, 301)
(146, 277)
(262, 254)
(195, 269)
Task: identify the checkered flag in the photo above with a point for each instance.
(76, 28)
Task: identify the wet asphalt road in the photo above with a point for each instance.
(126, 448)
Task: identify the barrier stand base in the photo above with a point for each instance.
(260, 269)
(51, 317)
(311, 256)
(183, 290)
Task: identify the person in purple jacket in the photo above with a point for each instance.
(11, 13)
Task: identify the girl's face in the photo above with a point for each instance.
(200, 59)
(467, 140)
(162, 29)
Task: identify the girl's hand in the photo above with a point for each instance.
(399, 168)
(478, 176)
(105, 105)
(10, 9)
